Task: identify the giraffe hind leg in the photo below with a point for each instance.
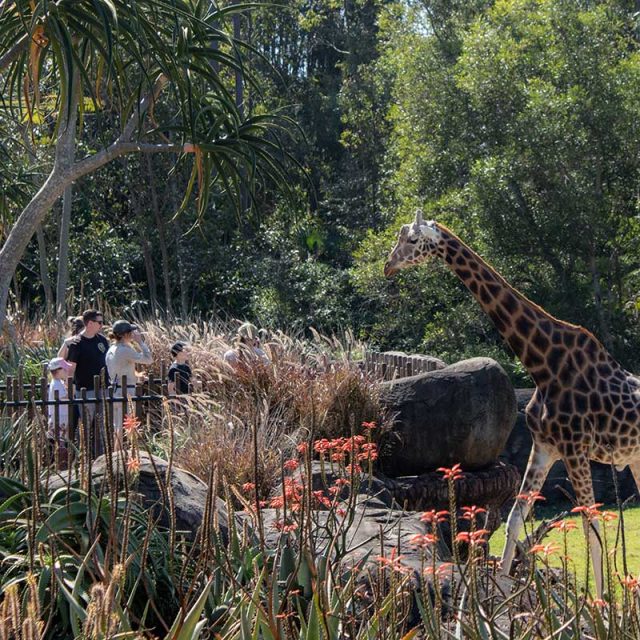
(579, 472)
(540, 462)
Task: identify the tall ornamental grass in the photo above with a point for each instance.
(80, 559)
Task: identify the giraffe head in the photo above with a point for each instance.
(416, 242)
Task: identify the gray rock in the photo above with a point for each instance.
(463, 414)
(189, 493)
(323, 476)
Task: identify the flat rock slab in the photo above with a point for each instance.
(376, 530)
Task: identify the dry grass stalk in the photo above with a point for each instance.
(16, 622)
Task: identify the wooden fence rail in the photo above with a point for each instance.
(19, 397)
(390, 365)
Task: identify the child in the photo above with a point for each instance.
(179, 372)
(59, 369)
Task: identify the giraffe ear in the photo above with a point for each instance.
(419, 219)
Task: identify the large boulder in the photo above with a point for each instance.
(187, 504)
(463, 414)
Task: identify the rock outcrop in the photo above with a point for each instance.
(463, 414)
(151, 485)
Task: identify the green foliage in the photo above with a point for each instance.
(513, 124)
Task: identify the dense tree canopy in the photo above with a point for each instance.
(514, 122)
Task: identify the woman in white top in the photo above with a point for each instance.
(121, 360)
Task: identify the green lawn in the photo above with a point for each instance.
(576, 540)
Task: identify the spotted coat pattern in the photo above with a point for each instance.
(585, 406)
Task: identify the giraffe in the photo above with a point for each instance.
(585, 405)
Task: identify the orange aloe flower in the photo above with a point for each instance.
(133, 464)
(130, 424)
(471, 513)
(248, 487)
(291, 465)
(423, 539)
(530, 497)
(630, 583)
(393, 562)
(369, 426)
(589, 512)
(564, 525)
(453, 473)
(434, 517)
(285, 527)
(277, 502)
(440, 570)
(545, 549)
(473, 538)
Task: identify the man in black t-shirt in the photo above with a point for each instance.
(179, 375)
(88, 354)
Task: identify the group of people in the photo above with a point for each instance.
(96, 364)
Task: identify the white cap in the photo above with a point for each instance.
(59, 363)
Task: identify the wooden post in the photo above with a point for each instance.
(44, 396)
(87, 434)
(20, 382)
(125, 396)
(137, 405)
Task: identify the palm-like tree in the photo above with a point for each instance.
(162, 70)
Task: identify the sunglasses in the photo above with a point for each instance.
(98, 321)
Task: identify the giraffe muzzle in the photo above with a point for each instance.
(389, 270)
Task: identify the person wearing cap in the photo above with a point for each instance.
(179, 374)
(76, 325)
(58, 431)
(121, 360)
(247, 347)
(88, 355)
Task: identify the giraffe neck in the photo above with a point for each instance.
(540, 341)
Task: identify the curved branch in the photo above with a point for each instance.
(117, 149)
(161, 82)
(8, 57)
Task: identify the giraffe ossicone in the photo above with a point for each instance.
(585, 405)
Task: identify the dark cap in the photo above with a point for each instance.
(120, 327)
(177, 348)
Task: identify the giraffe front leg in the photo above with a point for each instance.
(579, 472)
(540, 462)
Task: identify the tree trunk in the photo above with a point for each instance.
(147, 254)
(145, 245)
(44, 269)
(162, 238)
(23, 230)
(63, 173)
(603, 323)
(239, 90)
(63, 252)
(35, 212)
(177, 227)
